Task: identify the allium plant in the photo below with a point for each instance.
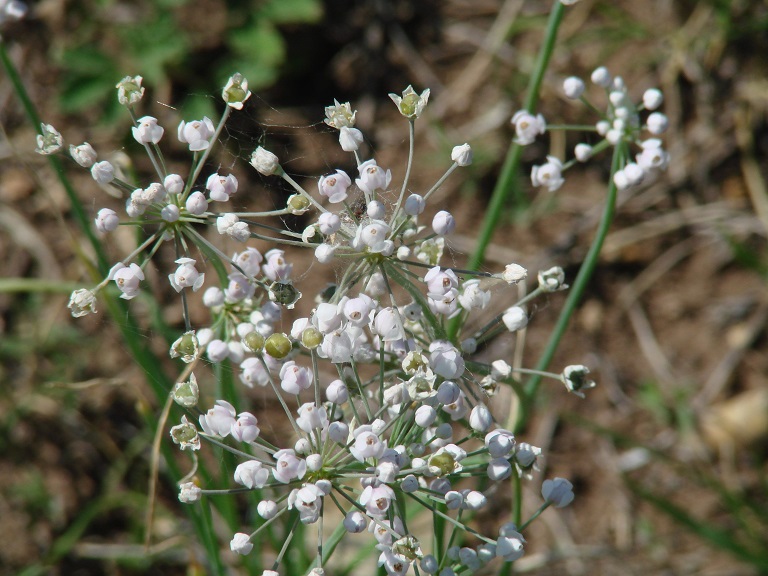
(388, 412)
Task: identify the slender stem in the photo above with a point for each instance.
(411, 138)
(582, 279)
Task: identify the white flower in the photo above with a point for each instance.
(245, 428)
(443, 223)
(170, 213)
(264, 161)
(288, 466)
(311, 417)
(186, 276)
(548, 174)
(583, 152)
(573, 87)
(189, 492)
(334, 187)
(241, 543)
(49, 141)
(388, 325)
(276, 267)
(515, 318)
(372, 177)
(354, 522)
(500, 443)
(196, 204)
(377, 500)
(147, 130)
(462, 155)
(472, 296)
(11, 10)
(657, 123)
(82, 302)
(219, 419)
(652, 98)
(350, 139)
(230, 225)
(127, 279)
(414, 205)
(187, 346)
(558, 491)
(197, 134)
(236, 91)
(129, 90)
(528, 126)
(308, 501)
(601, 77)
(84, 154)
(251, 474)
(185, 435)
(653, 155)
(295, 378)
(103, 172)
(340, 115)
(480, 418)
(552, 280)
(499, 469)
(445, 359)
(221, 187)
(575, 379)
(510, 543)
(514, 273)
(186, 393)
(107, 220)
(411, 104)
(267, 509)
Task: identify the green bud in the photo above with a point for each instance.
(278, 345)
(254, 341)
(311, 338)
(298, 204)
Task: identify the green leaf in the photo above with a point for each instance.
(260, 42)
(292, 11)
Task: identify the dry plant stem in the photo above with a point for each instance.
(153, 467)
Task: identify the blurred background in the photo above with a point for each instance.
(667, 455)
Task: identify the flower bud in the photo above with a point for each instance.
(515, 318)
(601, 77)
(264, 161)
(278, 345)
(443, 223)
(266, 509)
(652, 98)
(414, 205)
(84, 154)
(573, 87)
(462, 155)
(559, 492)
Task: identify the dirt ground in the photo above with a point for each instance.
(672, 325)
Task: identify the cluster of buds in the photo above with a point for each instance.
(405, 422)
(624, 123)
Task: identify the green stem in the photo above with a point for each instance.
(580, 284)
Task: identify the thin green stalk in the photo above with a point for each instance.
(580, 284)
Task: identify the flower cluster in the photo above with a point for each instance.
(623, 123)
(388, 404)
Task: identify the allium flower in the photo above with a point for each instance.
(11, 10)
(187, 346)
(186, 276)
(84, 154)
(414, 205)
(355, 522)
(185, 435)
(377, 499)
(295, 378)
(548, 174)
(241, 544)
(445, 359)
(103, 172)
(196, 204)
(388, 325)
(334, 187)
(189, 492)
(249, 261)
(575, 379)
(147, 130)
(197, 134)
(657, 123)
(340, 115)
(236, 91)
(127, 279)
(510, 543)
(186, 393)
(583, 152)
(264, 161)
(652, 98)
(552, 280)
(573, 87)
(372, 177)
(528, 126)
(82, 302)
(443, 223)
(218, 420)
(411, 104)
(221, 187)
(245, 428)
(462, 155)
(558, 491)
(288, 466)
(251, 474)
(350, 139)
(308, 501)
(129, 90)
(276, 267)
(515, 318)
(601, 77)
(230, 225)
(653, 155)
(49, 141)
